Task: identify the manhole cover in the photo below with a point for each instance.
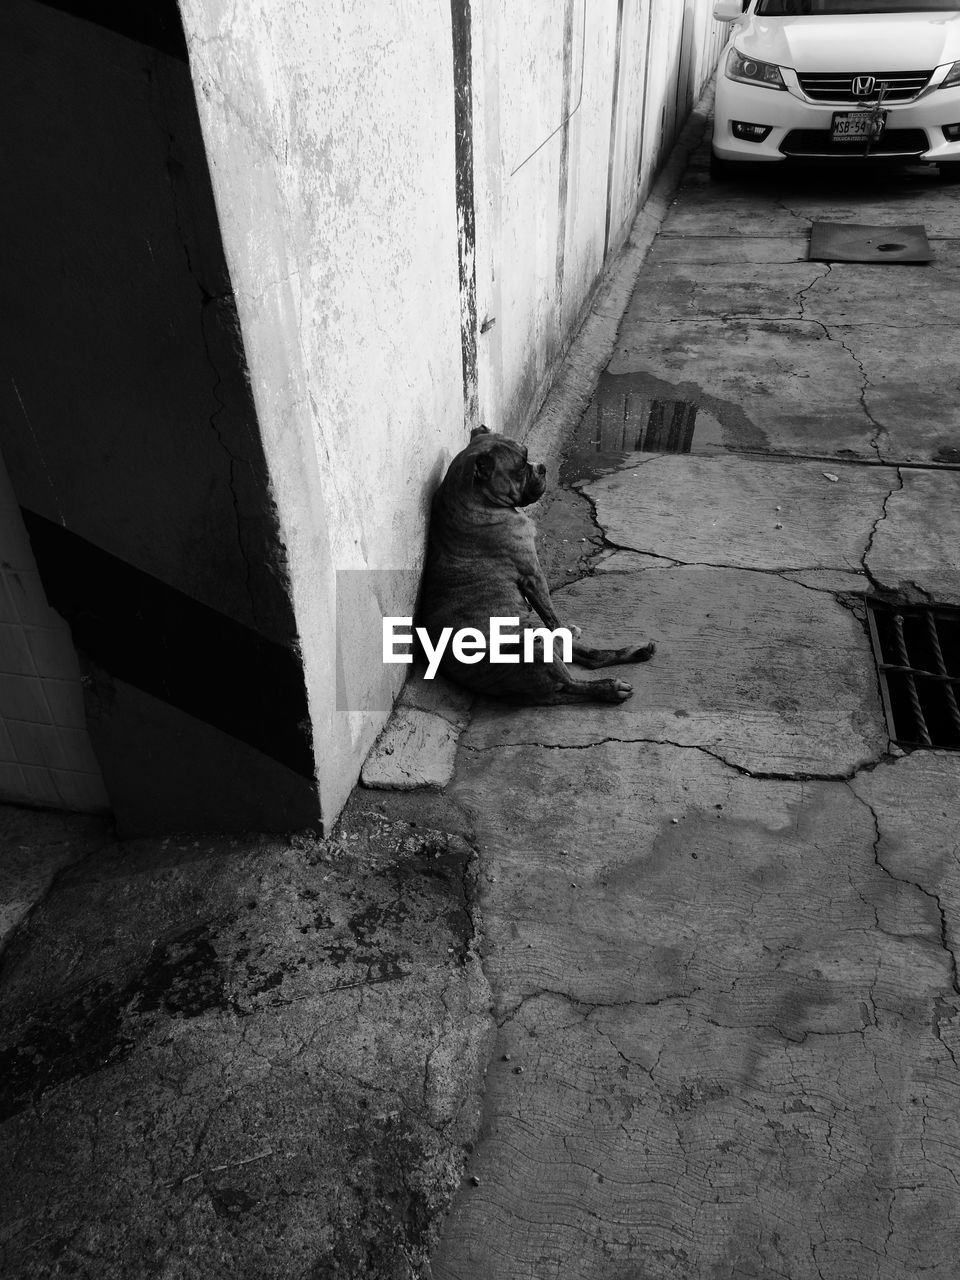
(854, 242)
(917, 649)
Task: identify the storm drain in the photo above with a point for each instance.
(917, 650)
(855, 242)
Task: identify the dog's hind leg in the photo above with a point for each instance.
(553, 683)
(591, 658)
(535, 589)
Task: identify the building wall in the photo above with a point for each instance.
(330, 134)
(45, 754)
(625, 74)
(416, 201)
(133, 451)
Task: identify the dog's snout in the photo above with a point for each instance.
(540, 469)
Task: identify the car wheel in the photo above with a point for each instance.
(949, 172)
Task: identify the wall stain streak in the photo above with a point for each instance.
(460, 15)
(613, 127)
(646, 90)
(564, 183)
(683, 93)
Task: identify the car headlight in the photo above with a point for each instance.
(750, 71)
(952, 78)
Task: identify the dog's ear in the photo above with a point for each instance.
(479, 431)
(483, 466)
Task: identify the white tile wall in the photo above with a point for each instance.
(45, 753)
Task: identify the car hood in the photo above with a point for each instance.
(854, 42)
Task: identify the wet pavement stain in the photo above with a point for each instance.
(632, 413)
(183, 977)
(231, 1202)
(224, 966)
(70, 1040)
(62, 1043)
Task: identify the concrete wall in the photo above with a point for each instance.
(45, 754)
(416, 201)
(330, 134)
(625, 75)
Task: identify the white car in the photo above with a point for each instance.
(850, 80)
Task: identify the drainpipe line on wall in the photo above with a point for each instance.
(460, 22)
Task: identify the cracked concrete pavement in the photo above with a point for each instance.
(718, 1007)
(721, 920)
(253, 1057)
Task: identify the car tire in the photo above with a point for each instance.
(949, 172)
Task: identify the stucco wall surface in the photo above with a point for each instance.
(330, 135)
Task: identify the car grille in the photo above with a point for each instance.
(837, 86)
(818, 142)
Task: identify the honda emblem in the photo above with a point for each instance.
(863, 86)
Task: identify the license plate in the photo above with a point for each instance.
(856, 126)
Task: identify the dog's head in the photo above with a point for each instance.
(497, 471)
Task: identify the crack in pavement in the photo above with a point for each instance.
(865, 766)
(898, 488)
(590, 1007)
(836, 460)
(943, 940)
(879, 429)
(607, 544)
(801, 297)
(733, 316)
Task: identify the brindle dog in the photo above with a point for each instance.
(482, 563)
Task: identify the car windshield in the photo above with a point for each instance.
(806, 8)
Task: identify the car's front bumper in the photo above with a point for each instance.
(800, 128)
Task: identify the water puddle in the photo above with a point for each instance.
(630, 414)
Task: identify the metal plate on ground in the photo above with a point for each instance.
(854, 242)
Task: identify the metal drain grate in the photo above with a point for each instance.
(917, 648)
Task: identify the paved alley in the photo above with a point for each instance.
(716, 925)
(721, 920)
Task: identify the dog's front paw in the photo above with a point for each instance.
(643, 652)
(612, 690)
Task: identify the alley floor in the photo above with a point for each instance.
(659, 991)
(721, 920)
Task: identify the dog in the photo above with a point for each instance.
(482, 563)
